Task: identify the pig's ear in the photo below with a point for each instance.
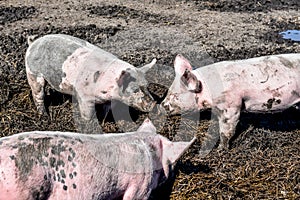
(181, 64)
(191, 81)
(145, 68)
(147, 126)
(124, 79)
(172, 151)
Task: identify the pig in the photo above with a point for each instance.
(73, 166)
(259, 85)
(75, 67)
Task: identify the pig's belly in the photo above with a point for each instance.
(273, 104)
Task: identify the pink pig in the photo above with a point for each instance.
(263, 84)
(73, 66)
(62, 165)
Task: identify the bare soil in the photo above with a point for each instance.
(263, 161)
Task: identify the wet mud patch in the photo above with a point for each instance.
(247, 6)
(117, 11)
(12, 14)
(223, 53)
(278, 25)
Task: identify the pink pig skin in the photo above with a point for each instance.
(73, 66)
(263, 84)
(72, 166)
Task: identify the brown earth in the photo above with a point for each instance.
(263, 162)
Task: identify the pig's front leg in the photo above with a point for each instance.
(228, 119)
(133, 191)
(37, 85)
(87, 109)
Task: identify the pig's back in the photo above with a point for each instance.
(47, 54)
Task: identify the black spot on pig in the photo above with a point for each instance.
(96, 76)
(71, 176)
(12, 157)
(70, 158)
(65, 187)
(57, 149)
(72, 152)
(62, 173)
(60, 163)
(74, 186)
(44, 163)
(271, 102)
(52, 162)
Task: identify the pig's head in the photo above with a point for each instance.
(133, 90)
(187, 92)
(165, 152)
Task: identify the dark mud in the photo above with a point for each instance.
(11, 14)
(263, 161)
(247, 6)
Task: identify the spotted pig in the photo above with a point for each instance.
(73, 166)
(73, 66)
(263, 84)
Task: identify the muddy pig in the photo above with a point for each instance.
(73, 66)
(63, 165)
(262, 84)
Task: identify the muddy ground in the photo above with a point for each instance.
(263, 161)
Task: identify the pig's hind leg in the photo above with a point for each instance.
(37, 85)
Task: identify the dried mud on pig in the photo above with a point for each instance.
(263, 162)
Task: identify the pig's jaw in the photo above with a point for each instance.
(204, 103)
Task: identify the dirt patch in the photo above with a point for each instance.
(126, 13)
(11, 14)
(247, 6)
(263, 162)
